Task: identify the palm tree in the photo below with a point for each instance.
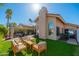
(8, 15)
(1, 4)
(13, 24)
(30, 20)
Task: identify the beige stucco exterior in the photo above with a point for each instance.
(42, 24)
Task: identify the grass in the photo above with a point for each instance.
(54, 48)
(60, 48)
(4, 46)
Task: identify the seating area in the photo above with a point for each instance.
(24, 43)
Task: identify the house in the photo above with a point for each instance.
(21, 30)
(49, 25)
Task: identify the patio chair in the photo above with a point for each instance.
(26, 38)
(28, 41)
(40, 47)
(17, 46)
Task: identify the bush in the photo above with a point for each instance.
(3, 30)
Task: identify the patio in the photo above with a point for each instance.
(72, 41)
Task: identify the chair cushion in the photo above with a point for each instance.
(42, 43)
(20, 47)
(35, 46)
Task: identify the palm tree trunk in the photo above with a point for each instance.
(7, 23)
(8, 26)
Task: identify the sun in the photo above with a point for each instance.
(36, 7)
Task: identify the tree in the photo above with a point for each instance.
(1, 4)
(30, 20)
(3, 30)
(13, 24)
(8, 15)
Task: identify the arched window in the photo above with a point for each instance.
(50, 27)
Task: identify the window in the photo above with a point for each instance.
(57, 31)
(50, 27)
(62, 30)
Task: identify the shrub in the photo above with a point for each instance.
(3, 30)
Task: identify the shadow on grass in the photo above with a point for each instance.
(10, 52)
(17, 54)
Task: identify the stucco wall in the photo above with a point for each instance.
(42, 23)
(60, 24)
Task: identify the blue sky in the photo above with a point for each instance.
(22, 12)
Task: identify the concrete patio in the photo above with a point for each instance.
(72, 41)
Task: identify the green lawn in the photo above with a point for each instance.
(55, 48)
(4, 46)
(60, 48)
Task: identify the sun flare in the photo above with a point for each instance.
(36, 7)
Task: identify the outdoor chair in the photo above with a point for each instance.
(28, 41)
(40, 47)
(27, 38)
(17, 45)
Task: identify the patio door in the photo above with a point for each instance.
(66, 31)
